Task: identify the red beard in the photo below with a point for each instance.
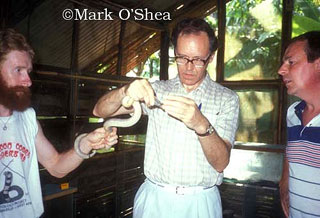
(16, 98)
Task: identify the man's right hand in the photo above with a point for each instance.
(140, 90)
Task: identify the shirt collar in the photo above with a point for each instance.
(299, 109)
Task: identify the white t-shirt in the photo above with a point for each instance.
(20, 189)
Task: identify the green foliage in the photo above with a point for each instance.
(212, 20)
(306, 16)
(103, 68)
(259, 45)
(308, 8)
(303, 24)
(152, 66)
(238, 20)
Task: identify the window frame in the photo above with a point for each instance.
(277, 84)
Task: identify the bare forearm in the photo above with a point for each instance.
(216, 151)
(109, 104)
(283, 186)
(68, 161)
(61, 164)
(283, 183)
(285, 171)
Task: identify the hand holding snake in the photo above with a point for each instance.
(101, 138)
(142, 91)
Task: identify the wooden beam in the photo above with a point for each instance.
(4, 13)
(266, 148)
(286, 32)
(221, 40)
(164, 55)
(287, 12)
(109, 79)
(191, 8)
(120, 46)
(73, 95)
(112, 52)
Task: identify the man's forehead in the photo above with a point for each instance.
(196, 41)
(18, 53)
(184, 35)
(296, 49)
(19, 58)
(298, 45)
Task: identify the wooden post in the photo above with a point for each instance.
(164, 55)
(119, 154)
(287, 12)
(221, 39)
(120, 47)
(4, 13)
(73, 102)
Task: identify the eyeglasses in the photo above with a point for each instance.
(197, 62)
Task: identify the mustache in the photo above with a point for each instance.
(23, 89)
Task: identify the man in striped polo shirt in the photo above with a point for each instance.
(300, 182)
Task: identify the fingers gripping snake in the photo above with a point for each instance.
(127, 102)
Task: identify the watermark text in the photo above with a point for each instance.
(123, 14)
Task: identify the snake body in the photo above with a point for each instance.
(113, 122)
(10, 193)
(117, 122)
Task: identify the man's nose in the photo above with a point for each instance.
(25, 80)
(283, 70)
(190, 65)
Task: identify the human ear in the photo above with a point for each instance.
(317, 65)
(211, 57)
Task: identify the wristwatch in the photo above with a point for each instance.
(209, 131)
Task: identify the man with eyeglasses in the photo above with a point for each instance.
(191, 130)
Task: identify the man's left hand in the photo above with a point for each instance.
(184, 109)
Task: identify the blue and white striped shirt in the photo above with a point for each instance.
(303, 154)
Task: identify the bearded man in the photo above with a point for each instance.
(22, 141)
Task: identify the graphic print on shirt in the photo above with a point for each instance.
(10, 193)
(14, 157)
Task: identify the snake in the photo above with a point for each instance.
(10, 193)
(127, 102)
